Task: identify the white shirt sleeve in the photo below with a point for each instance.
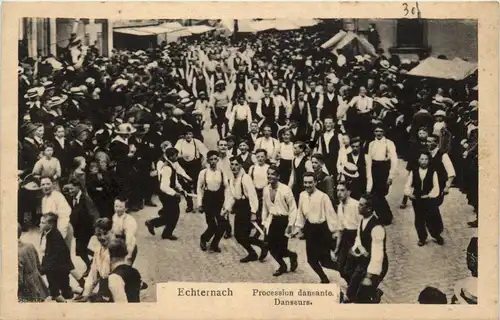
(292, 206)
(435, 187)
(299, 220)
(200, 187)
(63, 213)
(369, 178)
(117, 287)
(391, 147)
(408, 187)
(330, 215)
(250, 193)
(377, 251)
(448, 166)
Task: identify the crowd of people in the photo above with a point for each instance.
(309, 142)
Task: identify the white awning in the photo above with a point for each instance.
(154, 29)
(199, 29)
(133, 31)
(456, 69)
(172, 25)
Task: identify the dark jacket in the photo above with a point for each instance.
(57, 257)
(83, 215)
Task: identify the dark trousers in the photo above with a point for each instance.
(221, 121)
(427, 217)
(277, 241)
(346, 243)
(380, 189)
(318, 245)
(216, 224)
(192, 169)
(253, 110)
(243, 226)
(240, 129)
(59, 284)
(356, 268)
(285, 168)
(168, 214)
(81, 244)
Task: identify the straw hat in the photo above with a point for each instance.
(125, 128)
(350, 170)
(32, 93)
(440, 113)
(57, 100)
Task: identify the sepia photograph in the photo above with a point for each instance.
(265, 150)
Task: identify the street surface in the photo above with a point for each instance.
(411, 268)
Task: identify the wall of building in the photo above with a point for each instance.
(449, 37)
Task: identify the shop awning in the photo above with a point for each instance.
(172, 25)
(456, 69)
(154, 29)
(285, 24)
(133, 31)
(199, 29)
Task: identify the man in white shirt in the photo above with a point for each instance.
(381, 165)
(349, 219)
(422, 187)
(278, 205)
(254, 96)
(242, 200)
(443, 166)
(125, 227)
(268, 143)
(171, 192)
(315, 215)
(258, 173)
(240, 118)
(212, 188)
(367, 263)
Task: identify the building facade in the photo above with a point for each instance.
(44, 36)
(452, 38)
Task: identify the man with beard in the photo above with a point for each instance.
(277, 208)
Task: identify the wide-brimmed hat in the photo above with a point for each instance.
(57, 100)
(76, 91)
(30, 127)
(393, 69)
(350, 170)
(177, 112)
(79, 129)
(440, 113)
(48, 85)
(125, 128)
(385, 64)
(32, 93)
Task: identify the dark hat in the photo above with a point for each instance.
(79, 129)
(30, 127)
(230, 137)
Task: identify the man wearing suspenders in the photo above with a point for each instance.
(211, 191)
(258, 173)
(242, 200)
(381, 164)
(191, 154)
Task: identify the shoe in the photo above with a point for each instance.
(293, 262)
(59, 299)
(249, 258)
(144, 285)
(279, 272)
(172, 237)
(215, 249)
(325, 280)
(302, 237)
(421, 243)
(473, 224)
(439, 240)
(150, 204)
(263, 253)
(86, 273)
(189, 210)
(150, 227)
(227, 235)
(203, 245)
(402, 206)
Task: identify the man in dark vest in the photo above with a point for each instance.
(245, 157)
(301, 112)
(324, 182)
(367, 263)
(357, 182)
(328, 145)
(329, 103)
(313, 98)
(171, 192)
(300, 165)
(422, 187)
(443, 166)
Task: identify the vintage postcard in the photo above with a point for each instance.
(249, 160)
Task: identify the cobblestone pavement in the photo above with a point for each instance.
(411, 268)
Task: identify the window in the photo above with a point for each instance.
(410, 33)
